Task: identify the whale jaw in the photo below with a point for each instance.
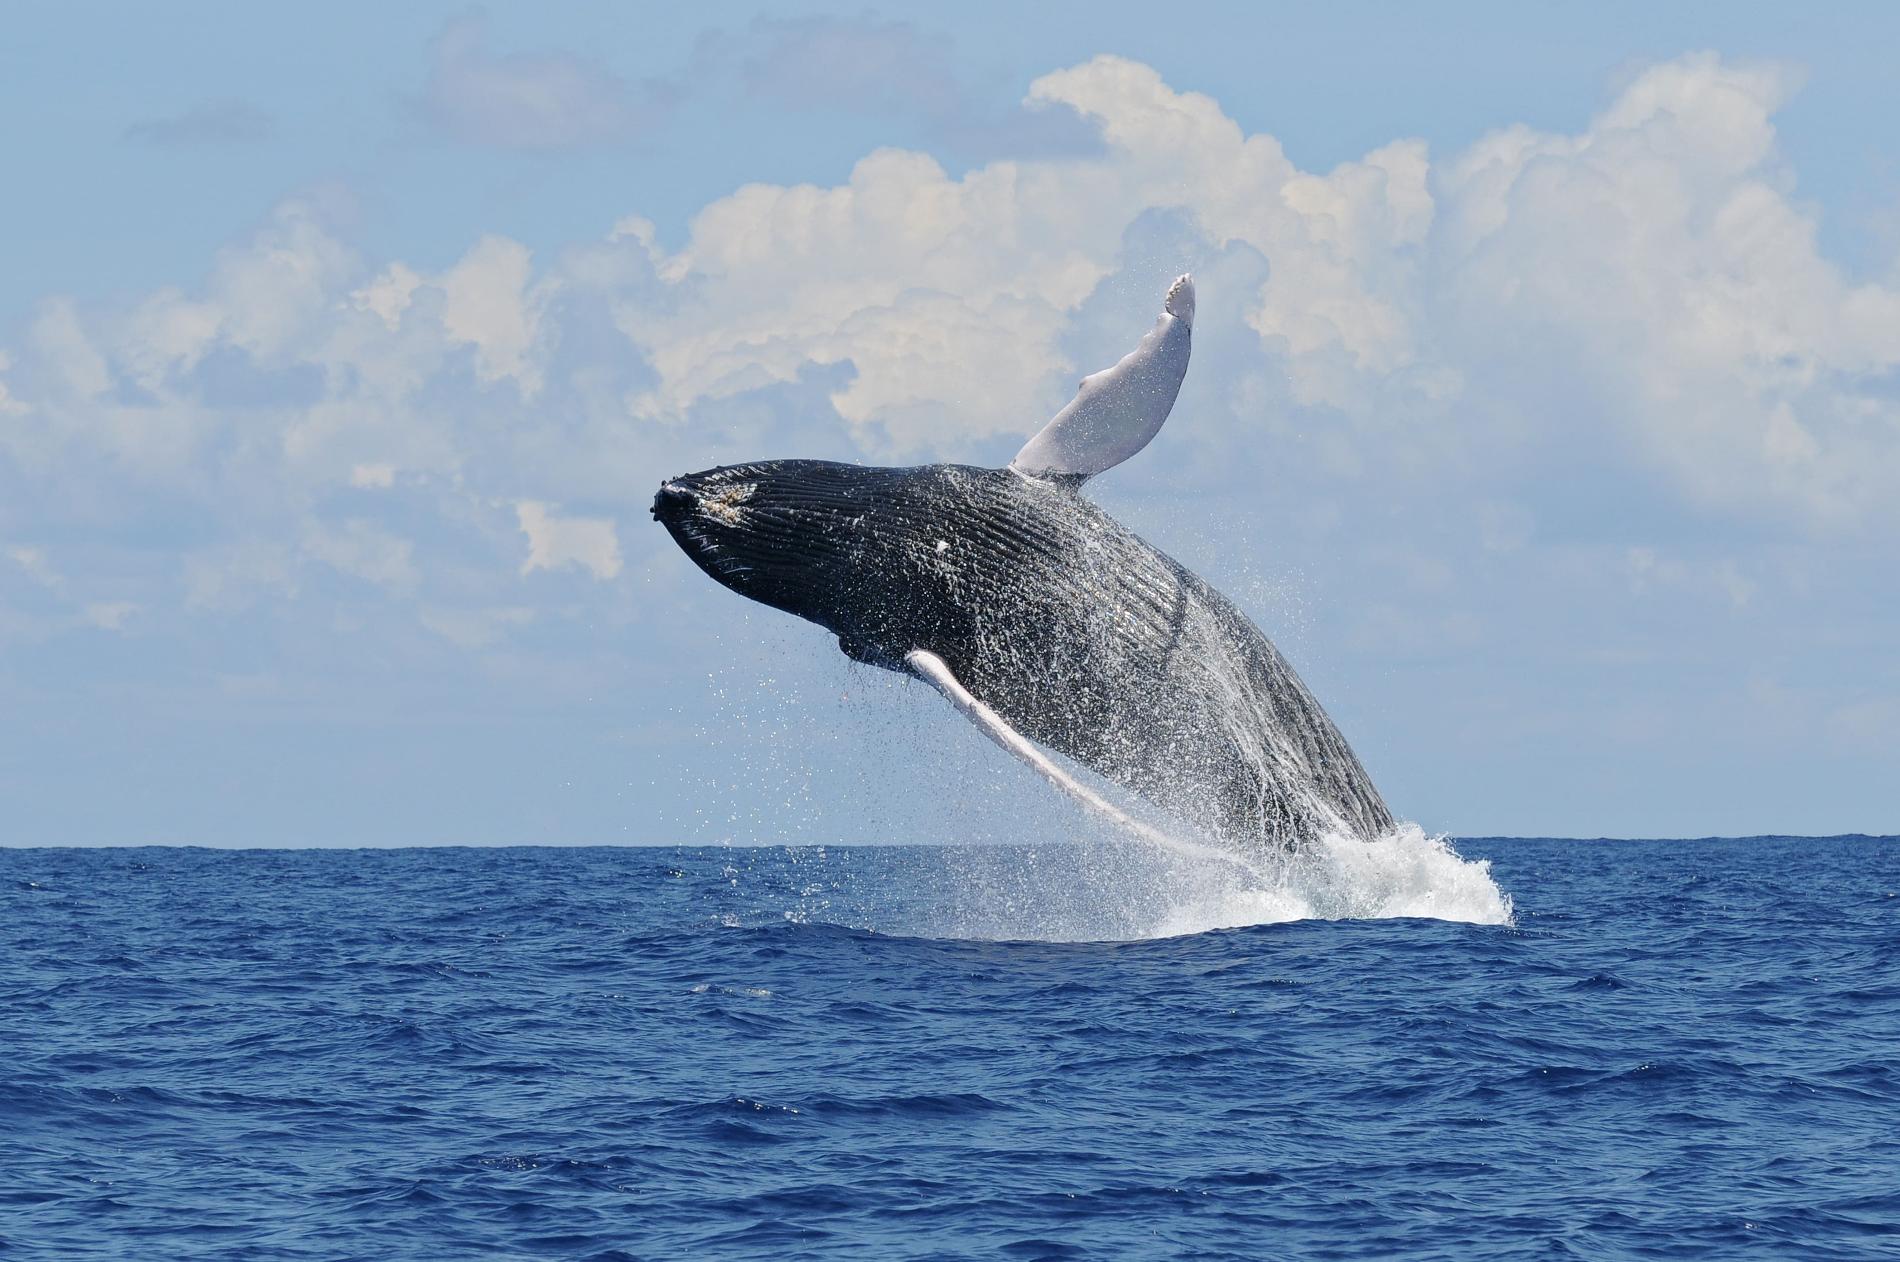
(684, 506)
(799, 535)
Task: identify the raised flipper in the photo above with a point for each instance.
(932, 670)
(1116, 411)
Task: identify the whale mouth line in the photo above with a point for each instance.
(680, 497)
(673, 497)
(695, 536)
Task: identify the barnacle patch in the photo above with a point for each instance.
(724, 502)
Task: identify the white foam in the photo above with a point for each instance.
(1406, 872)
(1113, 887)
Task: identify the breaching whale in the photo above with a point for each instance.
(1040, 617)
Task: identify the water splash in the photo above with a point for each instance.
(809, 756)
(1111, 888)
(1406, 872)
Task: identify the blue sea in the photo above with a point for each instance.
(1524, 1049)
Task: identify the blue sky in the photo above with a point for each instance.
(1545, 405)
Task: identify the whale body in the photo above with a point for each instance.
(1040, 616)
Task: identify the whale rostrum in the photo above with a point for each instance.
(1040, 617)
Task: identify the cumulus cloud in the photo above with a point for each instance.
(389, 295)
(529, 101)
(587, 542)
(1661, 253)
(945, 297)
(1657, 256)
(1644, 296)
(74, 365)
(213, 123)
(911, 276)
(486, 304)
(1452, 307)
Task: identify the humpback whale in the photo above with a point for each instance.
(1041, 618)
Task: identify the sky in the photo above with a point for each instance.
(1544, 409)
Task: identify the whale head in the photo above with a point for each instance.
(871, 554)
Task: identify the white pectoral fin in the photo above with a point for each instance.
(1119, 409)
(933, 670)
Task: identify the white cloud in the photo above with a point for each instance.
(588, 542)
(166, 333)
(288, 369)
(109, 615)
(362, 549)
(1655, 256)
(1648, 568)
(277, 292)
(9, 406)
(1526, 355)
(475, 628)
(1661, 254)
(946, 296)
(1450, 310)
(1739, 588)
(1644, 294)
(487, 305)
(389, 295)
(949, 297)
(527, 100)
(34, 561)
(75, 365)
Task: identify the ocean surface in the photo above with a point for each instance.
(1540, 1049)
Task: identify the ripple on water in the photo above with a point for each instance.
(1667, 1050)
